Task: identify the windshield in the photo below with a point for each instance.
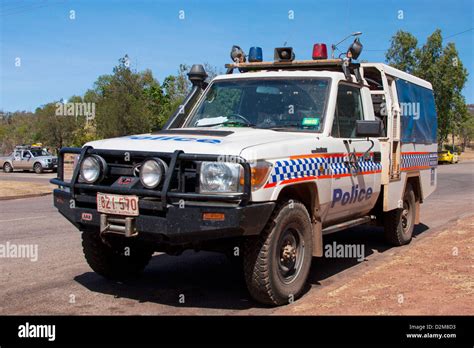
(272, 103)
(37, 153)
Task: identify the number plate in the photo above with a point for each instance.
(117, 204)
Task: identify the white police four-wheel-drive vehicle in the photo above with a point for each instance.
(260, 164)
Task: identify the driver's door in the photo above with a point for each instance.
(26, 158)
(353, 179)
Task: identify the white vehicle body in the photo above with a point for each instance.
(341, 180)
(294, 160)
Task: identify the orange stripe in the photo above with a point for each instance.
(416, 167)
(349, 174)
(273, 184)
(298, 180)
(288, 181)
(316, 155)
(358, 154)
(327, 155)
(416, 153)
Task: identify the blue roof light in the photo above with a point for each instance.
(255, 54)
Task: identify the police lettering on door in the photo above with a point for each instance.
(355, 195)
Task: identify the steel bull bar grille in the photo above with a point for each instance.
(163, 196)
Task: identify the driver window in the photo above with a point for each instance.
(348, 111)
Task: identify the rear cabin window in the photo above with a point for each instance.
(418, 121)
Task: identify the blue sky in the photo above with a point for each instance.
(61, 57)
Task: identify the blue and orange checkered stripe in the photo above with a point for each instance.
(418, 160)
(320, 166)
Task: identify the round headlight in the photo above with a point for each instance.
(152, 172)
(92, 168)
(219, 177)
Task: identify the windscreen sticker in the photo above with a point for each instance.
(175, 138)
(310, 122)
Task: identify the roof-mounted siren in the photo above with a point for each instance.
(255, 54)
(284, 54)
(320, 51)
(237, 54)
(197, 75)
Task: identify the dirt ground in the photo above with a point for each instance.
(467, 155)
(433, 277)
(10, 188)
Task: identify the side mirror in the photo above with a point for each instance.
(366, 128)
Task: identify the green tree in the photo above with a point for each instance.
(122, 107)
(55, 128)
(401, 53)
(467, 128)
(17, 128)
(125, 101)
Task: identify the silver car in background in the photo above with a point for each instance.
(29, 158)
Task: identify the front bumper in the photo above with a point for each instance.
(161, 218)
(50, 166)
(177, 225)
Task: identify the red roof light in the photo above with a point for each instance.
(320, 51)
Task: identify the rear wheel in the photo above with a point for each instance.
(7, 168)
(277, 262)
(399, 223)
(117, 262)
(38, 168)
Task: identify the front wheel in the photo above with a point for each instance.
(116, 262)
(399, 223)
(7, 168)
(277, 262)
(38, 168)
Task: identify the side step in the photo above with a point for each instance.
(347, 224)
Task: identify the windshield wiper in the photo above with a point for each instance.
(231, 123)
(285, 127)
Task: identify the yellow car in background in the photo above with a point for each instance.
(447, 157)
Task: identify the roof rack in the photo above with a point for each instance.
(27, 147)
(344, 65)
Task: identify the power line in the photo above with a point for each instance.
(462, 32)
(27, 8)
(24, 6)
(11, 5)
